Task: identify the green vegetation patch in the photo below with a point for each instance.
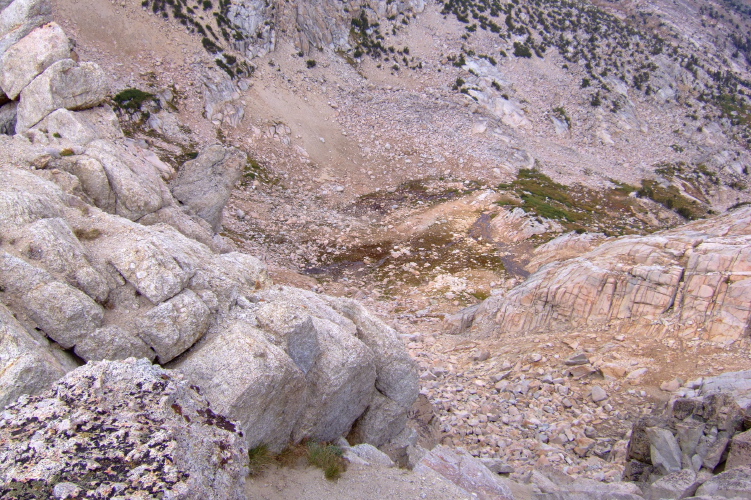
(328, 458)
(132, 99)
(259, 459)
(578, 208)
(671, 198)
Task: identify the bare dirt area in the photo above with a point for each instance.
(358, 483)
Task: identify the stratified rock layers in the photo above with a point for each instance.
(696, 278)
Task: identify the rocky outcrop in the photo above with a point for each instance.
(33, 54)
(317, 24)
(29, 364)
(687, 280)
(222, 103)
(65, 84)
(19, 18)
(291, 366)
(98, 257)
(699, 434)
(467, 472)
(125, 429)
(203, 185)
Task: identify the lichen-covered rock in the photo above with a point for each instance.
(34, 53)
(203, 185)
(65, 84)
(120, 428)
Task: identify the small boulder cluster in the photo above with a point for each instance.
(701, 446)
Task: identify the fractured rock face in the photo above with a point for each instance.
(104, 417)
(34, 53)
(697, 275)
(19, 18)
(27, 364)
(290, 366)
(65, 84)
(205, 184)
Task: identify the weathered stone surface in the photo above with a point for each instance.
(251, 380)
(80, 127)
(740, 450)
(52, 244)
(137, 182)
(557, 485)
(203, 185)
(598, 394)
(34, 53)
(637, 278)
(27, 364)
(681, 484)
(222, 103)
(396, 375)
(94, 182)
(149, 264)
(191, 226)
(64, 313)
(736, 385)
(664, 449)
(467, 472)
(112, 342)
(340, 376)
(65, 84)
(174, 325)
(229, 276)
(368, 454)
(19, 18)
(101, 418)
(735, 484)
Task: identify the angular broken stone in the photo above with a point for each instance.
(598, 394)
(664, 449)
(740, 450)
(681, 484)
(577, 359)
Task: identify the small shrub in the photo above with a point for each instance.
(132, 99)
(310, 63)
(521, 50)
(328, 458)
(67, 152)
(57, 135)
(259, 459)
(210, 46)
(87, 234)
